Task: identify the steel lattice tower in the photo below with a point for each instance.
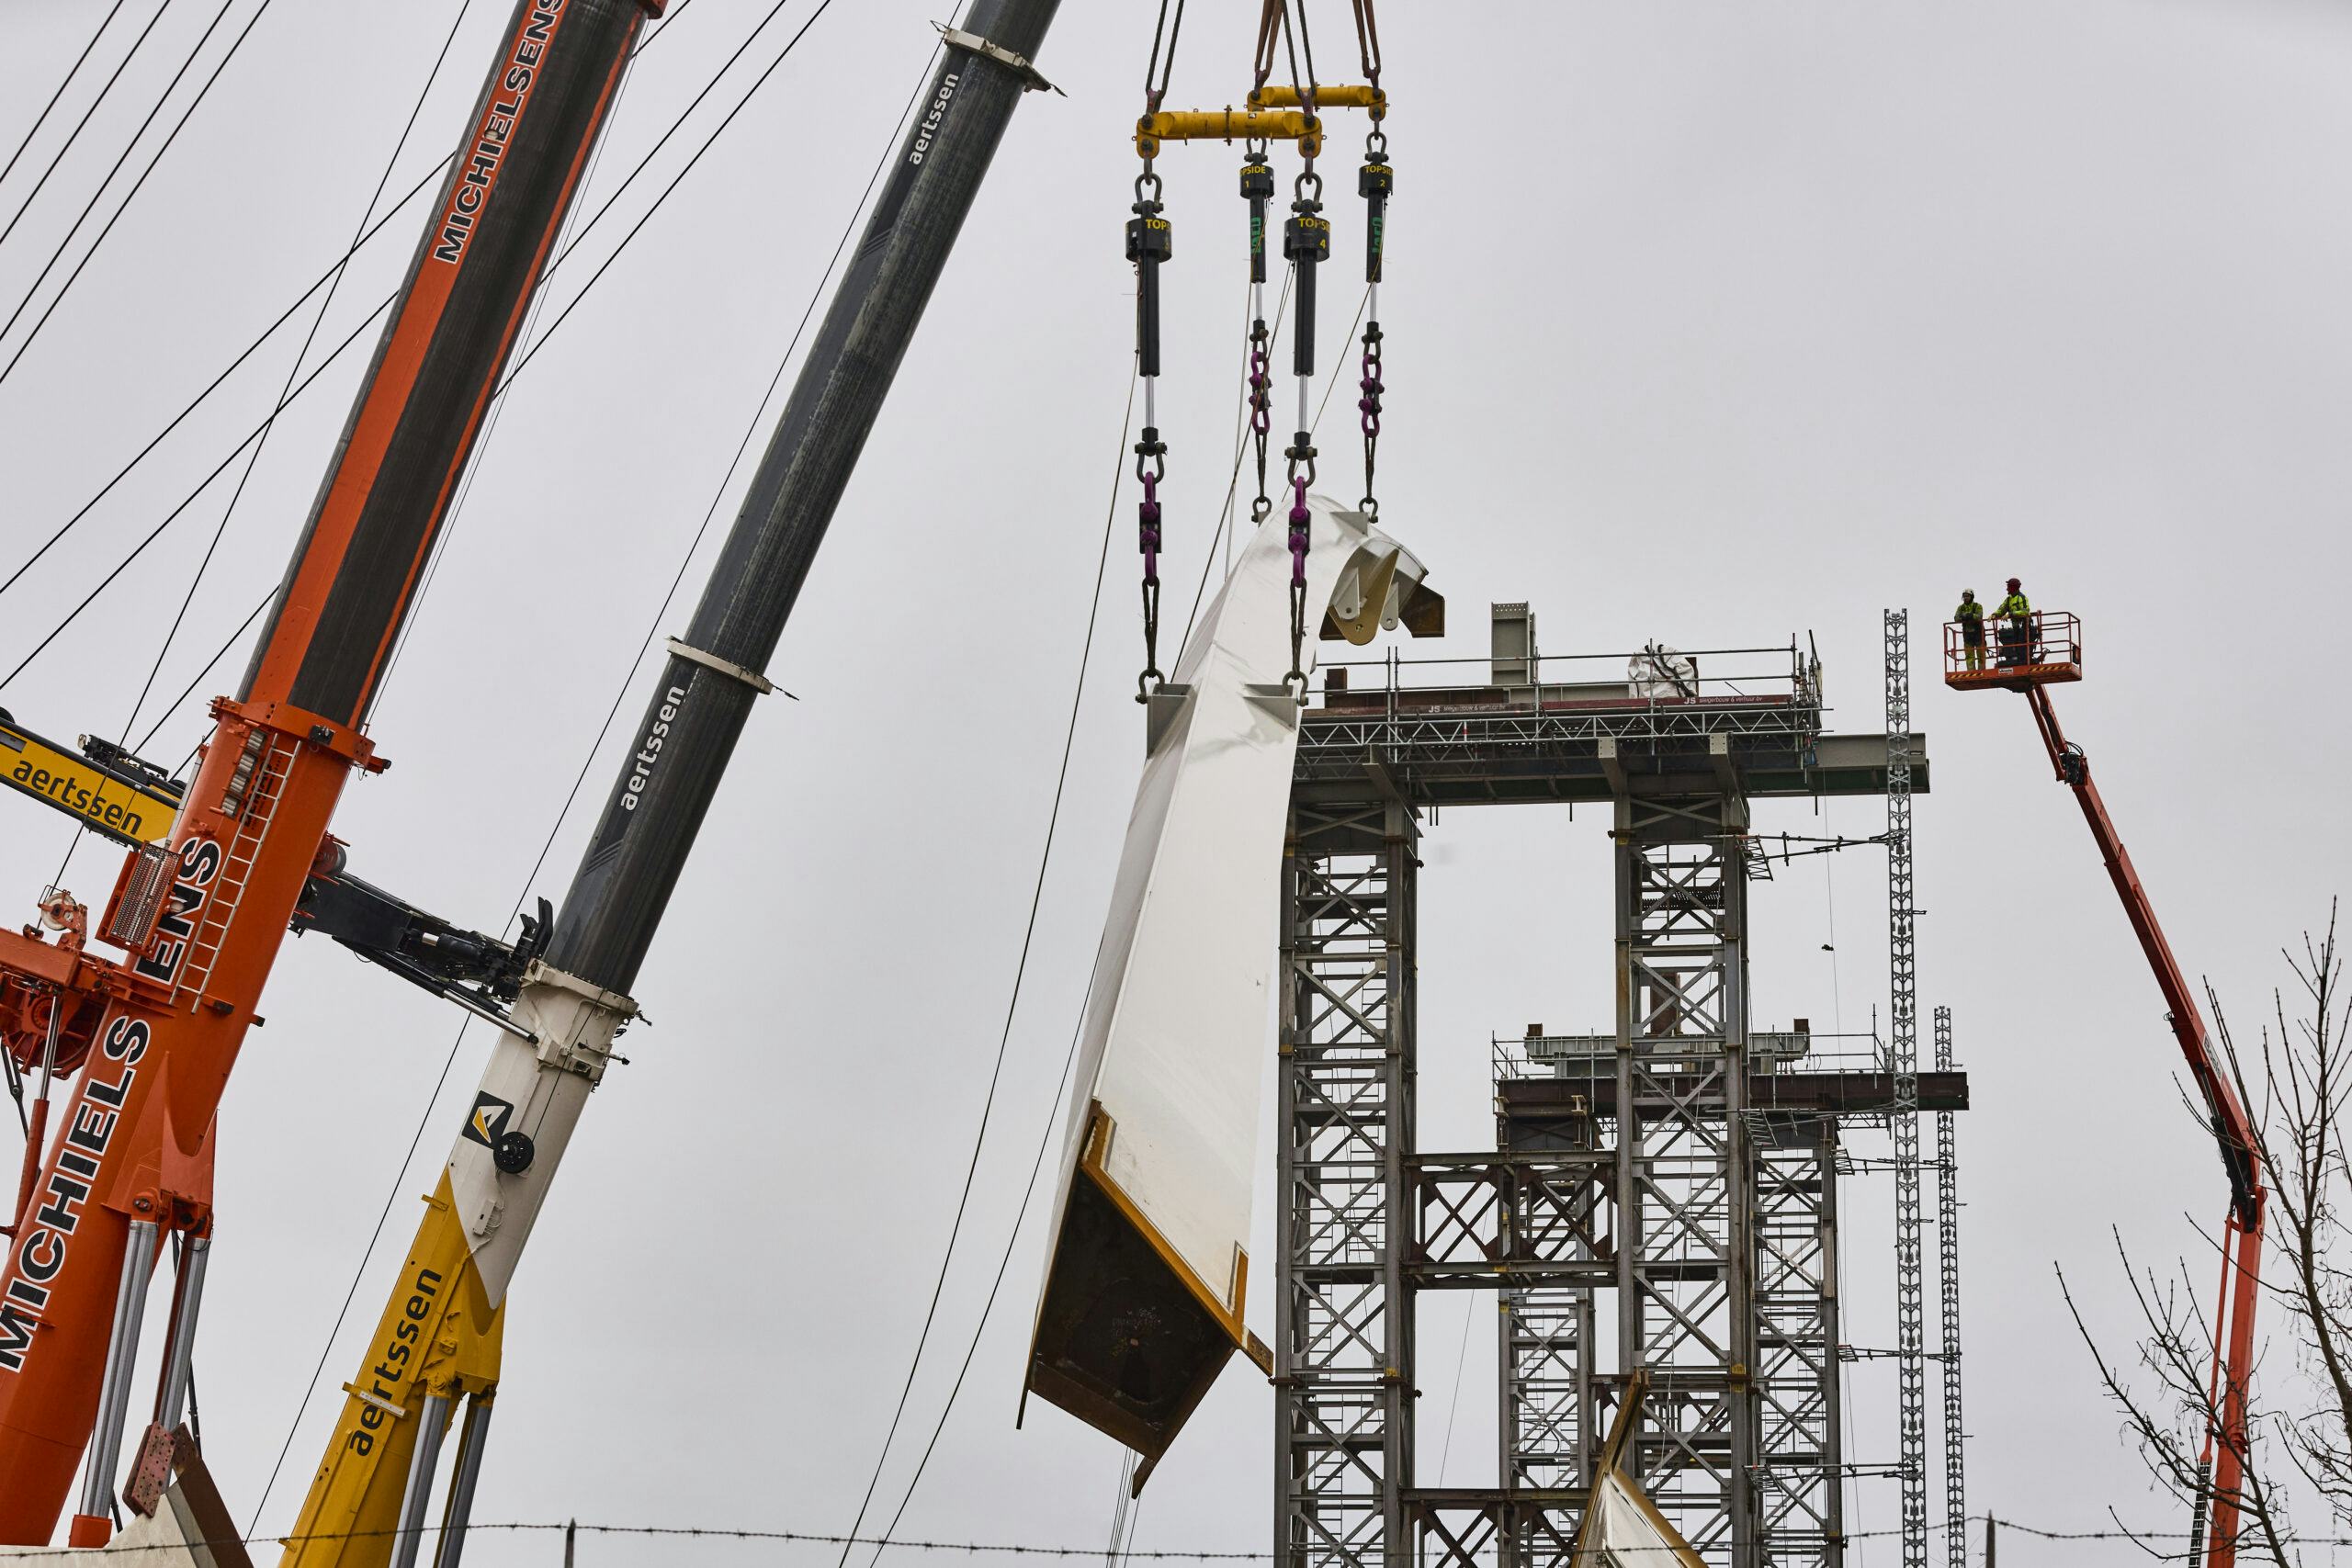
(1684, 1258)
(1344, 1357)
(1903, 977)
(1948, 1268)
(1800, 1503)
(1661, 1198)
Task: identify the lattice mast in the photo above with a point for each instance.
(1344, 1361)
(1948, 1299)
(1903, 978)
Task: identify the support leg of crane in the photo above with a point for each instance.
(470, 1440)
(95, 1524)
(180, 1351)
(422, 1464)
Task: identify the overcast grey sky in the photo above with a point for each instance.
(1710, 323)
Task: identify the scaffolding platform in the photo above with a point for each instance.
(1524, 1102)
(1463, 732)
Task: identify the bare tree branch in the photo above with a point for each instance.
(2296, 1081)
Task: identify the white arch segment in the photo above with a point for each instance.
(1148, 1276)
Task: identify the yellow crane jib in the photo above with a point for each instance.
(1270, 115)
(112, 791)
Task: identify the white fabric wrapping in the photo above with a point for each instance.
(1625, 1531)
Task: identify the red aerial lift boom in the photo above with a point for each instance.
(199, 916)
(2030, 654)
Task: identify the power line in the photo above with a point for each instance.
(516, 370)
(351, 1294)
(531, 343)
(219, 654)
(170, 517)
(132, 195)
(578, 780)
(1004, 1259)
(196, 580)
(979, 1548)
(748, 93)
(247, 353)
(73, 71)
(294, 370)
(71, 136)
(334, 271)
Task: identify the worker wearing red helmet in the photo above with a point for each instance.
(2016, 616)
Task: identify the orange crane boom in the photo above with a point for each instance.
(200, 917)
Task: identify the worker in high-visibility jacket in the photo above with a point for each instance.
(1971, 617)
(2017, 625)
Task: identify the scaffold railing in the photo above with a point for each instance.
(2040, 650)
(1797, 1049)
(1448, 725)
(1655, 676)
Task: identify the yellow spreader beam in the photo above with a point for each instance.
(1271, 114)
(121, 806)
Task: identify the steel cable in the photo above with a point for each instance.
(1022, 1548)
(71, 71)
(514, 372)
(71, 136)
(247, 353)
(219, 654)
(408, 127)
(1155, 92)
(579, 777)
(748, 93)
(482, 448)
(1045, 858)
(293, 371)
(132, 195)
(333, 271)
(1036, 1165)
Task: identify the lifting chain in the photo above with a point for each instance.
(1307, 242)
(1150, 242)
(1258, 190)
(1373, 183)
